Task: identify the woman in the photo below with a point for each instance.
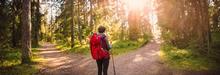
(103, 63)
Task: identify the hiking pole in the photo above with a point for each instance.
(113, 62)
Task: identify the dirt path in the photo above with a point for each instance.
(58, 63)
(144, 61)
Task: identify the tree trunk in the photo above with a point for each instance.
(72, 24)
(16, 28)
(91, 16)
(14, 43)
(36, 25)
(26, 31)
(38, 22)
(122, 31)
(79, 25)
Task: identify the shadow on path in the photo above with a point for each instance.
(58, 63)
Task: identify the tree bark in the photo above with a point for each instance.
(26, 31)
(16, 27)
(79, 25)
(36, 26)
(91, 16)
(72, 24)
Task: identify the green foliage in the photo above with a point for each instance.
(10, 63)
(118, 46)
(81, 49)
(214, 52)
(19, 70)
(9, 24)
(125, 46)
(10, 58)
(184, 30)
(187, 36)
(186, 59)
(216, 40)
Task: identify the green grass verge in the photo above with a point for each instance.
(10, 63)
(81, 49)
(124, 46)
(118, 47)
(185, 59)
(25, 69)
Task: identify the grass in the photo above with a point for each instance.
(121, 47)
(118, 47)
(80, 49)
(11, 63)
(24, 69)
(185, 59)
(10, 58)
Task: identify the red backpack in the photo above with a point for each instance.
(97, 51)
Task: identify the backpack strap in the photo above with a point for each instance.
(103, 42)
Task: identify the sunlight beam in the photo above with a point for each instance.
(135, 4)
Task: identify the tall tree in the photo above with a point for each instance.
(36, 23)
(79, 23)
(183, 21)
(16, 27)
(91, 15)
(26, 31)
(72, 24)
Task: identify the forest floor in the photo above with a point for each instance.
(144, 61)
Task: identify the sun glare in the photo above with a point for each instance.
(135, 4)
(141, 6)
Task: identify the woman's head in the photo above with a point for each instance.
(101, 29)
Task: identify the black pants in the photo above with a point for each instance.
(103, 66)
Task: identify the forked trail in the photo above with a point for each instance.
(144, 61)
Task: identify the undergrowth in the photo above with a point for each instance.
(186, 59)
(10, 63)
(118, 47)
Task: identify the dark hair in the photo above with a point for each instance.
(101, 29)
